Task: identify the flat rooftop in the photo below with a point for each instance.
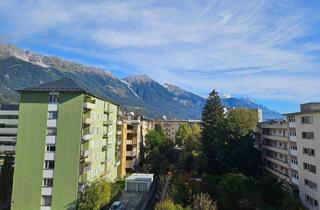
(140, 177)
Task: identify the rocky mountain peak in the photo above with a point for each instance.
(143, 78)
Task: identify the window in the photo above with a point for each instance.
(308, 151)
(311, 201)
(50, 148)
(47, 182)
(46, 200)
(53, 98)
(52, 115)
(51, 131)
(292, 119)
(293, 146)
(292, 133)
(310, 184)
(295, 175)
(307, 120)
(49, 164)
(309, 167)
(294, 161)
(307, 135)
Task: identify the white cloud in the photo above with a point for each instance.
(254, 48)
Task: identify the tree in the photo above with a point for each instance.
(6, 179)
(213, 121)
(168, 205)
(232, 190)
(241, 122)
(165, 188)
(160, 152)
(227, 139)
(95, 195)
(203, 201)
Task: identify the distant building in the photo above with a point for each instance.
(66, 138)
(133, 133)
(259, 114)
(170, 127)
(304, 138)
(8, 129)
(275, 148)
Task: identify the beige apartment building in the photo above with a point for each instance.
(132, 131)
(170, 127)
(275, 148)
(304, 138)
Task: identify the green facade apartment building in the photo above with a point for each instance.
(66, 138)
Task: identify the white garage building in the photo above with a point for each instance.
(138, 182)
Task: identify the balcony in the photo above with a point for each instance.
(132, 153)
(131, 131)
(119, 122)
(295, 181)
(119, 133)
(85, 167)
(50, 139)
(88, 105)
(52, 123)
(8, 130)
(85, 153)
(107, 122)
(129, 164)
(7, 148)
(52, 107)
(87, 121)
(49, 156)
(294, 166)
(292, 124)
(87, 136)
(293, 138)
(293, 152)
(46, 191)
(276, 149)
(131, 142)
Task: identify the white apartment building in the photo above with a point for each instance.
(8, 129)
(275, 148)
(304, 138)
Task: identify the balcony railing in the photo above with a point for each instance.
(85, 153)
(88, 105)
(107, 122)
(85, 167)
(87, 136)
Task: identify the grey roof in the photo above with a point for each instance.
(65, 84)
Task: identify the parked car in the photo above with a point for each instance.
(117, 205)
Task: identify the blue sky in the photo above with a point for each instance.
(267, 50)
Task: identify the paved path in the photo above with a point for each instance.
(132, 200)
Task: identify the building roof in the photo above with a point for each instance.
(140, 177)
(65, 84)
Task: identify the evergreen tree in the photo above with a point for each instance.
(212, 131)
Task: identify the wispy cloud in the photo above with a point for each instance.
(255, 48)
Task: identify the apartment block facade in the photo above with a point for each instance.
(170, 127)
(66, 138)
(9, 114)
(304, 136)
(133, 131)
(275, 148)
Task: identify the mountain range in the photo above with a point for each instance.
(22, 68)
